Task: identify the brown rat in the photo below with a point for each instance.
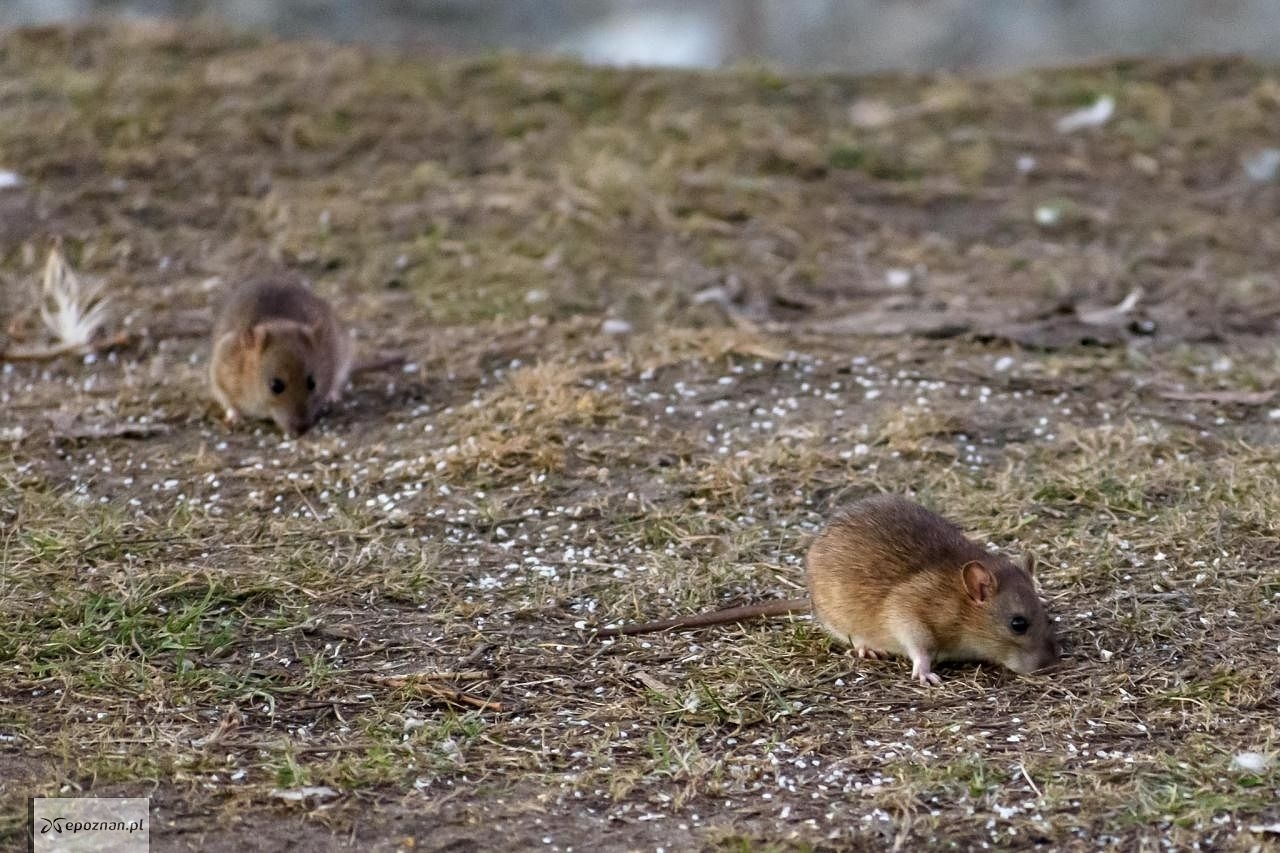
(279, 352)
(889, 576)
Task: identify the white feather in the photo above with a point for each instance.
(73, 311)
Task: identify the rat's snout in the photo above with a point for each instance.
(1037, 659)
(1048, 657)
(301, 419)
(1046, 664)
(293, 425)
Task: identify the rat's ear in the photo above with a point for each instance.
(979, 582)
(1029, 563)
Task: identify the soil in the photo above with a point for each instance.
(656, 327)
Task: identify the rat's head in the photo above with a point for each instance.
(286, 378)
(1012, 627)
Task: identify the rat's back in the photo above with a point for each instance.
(891, 537)
(872, 553)
(264, 300)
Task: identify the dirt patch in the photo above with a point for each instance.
(640, 374)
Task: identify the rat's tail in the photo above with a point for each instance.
(781, 607)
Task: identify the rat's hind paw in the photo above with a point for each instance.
(922, 671)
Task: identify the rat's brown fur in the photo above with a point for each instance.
(888, 575)
(278, 332)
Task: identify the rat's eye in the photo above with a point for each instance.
(311, 383)
(277, 386)
(1019, 624)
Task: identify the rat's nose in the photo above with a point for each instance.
(1048, 656)
(292, 426)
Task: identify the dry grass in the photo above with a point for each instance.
(206, 617)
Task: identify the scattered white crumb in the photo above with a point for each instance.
(897, 278)
(1093, 116)
(1253, 762)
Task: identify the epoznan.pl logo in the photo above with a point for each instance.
(90, 825)
(61, 824)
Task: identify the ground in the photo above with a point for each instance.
(658, 326)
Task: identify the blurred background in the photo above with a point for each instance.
(806, 35)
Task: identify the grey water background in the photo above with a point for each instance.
(805, 35)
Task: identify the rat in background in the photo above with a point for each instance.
(279, 353)
(889, 576)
